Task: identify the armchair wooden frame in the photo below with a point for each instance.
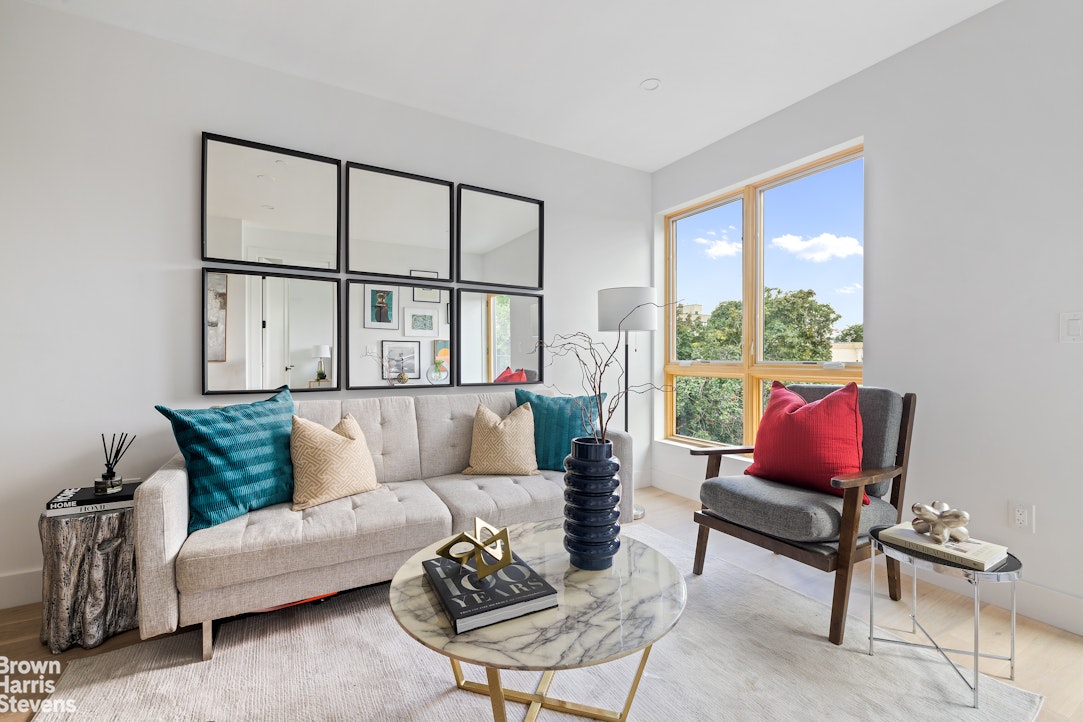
(849, 553)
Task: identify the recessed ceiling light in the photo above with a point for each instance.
(651, 84)
(280, 161)
(266, 177)
(268, 206)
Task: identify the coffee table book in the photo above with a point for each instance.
(77, 500)
(972, 553)
(471, 603)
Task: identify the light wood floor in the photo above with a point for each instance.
(1049, 660)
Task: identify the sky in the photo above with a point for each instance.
(813, 230)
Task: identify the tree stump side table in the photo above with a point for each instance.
(88, 578)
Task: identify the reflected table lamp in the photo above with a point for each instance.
(627, 308)
(320, 353)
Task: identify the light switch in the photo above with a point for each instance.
(1071, 327)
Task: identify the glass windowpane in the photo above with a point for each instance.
(708, 248)
(813, 266)
(710, 409)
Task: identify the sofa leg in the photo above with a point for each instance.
(208, 639)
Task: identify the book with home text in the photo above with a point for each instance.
(76, 500)
(507, 593)
(972, 553)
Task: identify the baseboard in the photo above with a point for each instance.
(1039, 603)
(19, 588)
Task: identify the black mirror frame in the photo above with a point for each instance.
(206, 139)
(457, 351)
(449, 310)
(459, 236)
(203, 327)
(410, 176)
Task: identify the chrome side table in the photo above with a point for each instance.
(1009, 570)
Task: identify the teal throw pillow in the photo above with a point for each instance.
(238, 457)
(557, 420)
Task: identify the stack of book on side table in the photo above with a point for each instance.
(971, 553)
(509, 592)
(82, 500)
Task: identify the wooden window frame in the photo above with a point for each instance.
(750, 369)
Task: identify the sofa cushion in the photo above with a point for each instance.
(503, 446)
(557, 420)
(399, 516)
(500, 500)
(785, 511)
(445, 424)
(329, 464)
(238, 457)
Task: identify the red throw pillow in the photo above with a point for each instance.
(504, 375)
(806, 444)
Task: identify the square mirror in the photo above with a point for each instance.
(397, 223)
(265, 330)
(264, 205)
(498, 334)
(500, 238)
(397, 335)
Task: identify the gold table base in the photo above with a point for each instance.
(539, 699)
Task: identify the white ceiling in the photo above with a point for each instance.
(566, 73)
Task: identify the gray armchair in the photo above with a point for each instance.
(821, 530)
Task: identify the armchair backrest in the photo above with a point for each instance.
(881, 423)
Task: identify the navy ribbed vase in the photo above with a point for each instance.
(590, 506)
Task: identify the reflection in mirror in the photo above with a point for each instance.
(498, 338)
(264, 330)
(397, 335)
(500, 238)
(268, 205)
(397, 224)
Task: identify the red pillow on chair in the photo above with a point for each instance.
(806, 444)
(507, 376)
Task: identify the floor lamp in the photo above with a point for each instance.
(627, 308)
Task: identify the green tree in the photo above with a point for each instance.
(796, 327)
(852, 334)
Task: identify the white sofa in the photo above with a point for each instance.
(275, 556)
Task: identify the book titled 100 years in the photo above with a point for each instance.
(509, 592)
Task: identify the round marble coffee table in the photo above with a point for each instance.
(601, 616)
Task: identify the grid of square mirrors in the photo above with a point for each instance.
(272, 225)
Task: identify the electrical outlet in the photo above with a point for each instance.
(1021, 516)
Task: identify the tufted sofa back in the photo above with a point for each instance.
(412, 437)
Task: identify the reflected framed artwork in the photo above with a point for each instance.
(419, 322)
(401, 357)
(380, 309)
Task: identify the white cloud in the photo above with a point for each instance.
(822, 248)
(720, 249)
(852, 288)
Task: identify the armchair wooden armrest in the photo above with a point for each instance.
(715, 454)
(867, 476)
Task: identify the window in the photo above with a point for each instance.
(765, 282)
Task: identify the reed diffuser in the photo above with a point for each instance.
(109, 482)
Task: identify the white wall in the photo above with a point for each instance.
(973, 248)
(99, 201)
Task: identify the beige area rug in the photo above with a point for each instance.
(745, 649)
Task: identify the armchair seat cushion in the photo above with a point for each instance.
(784, 511)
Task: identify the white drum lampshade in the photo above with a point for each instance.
(634, 305)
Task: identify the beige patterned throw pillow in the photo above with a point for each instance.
(329, 464)
(503, 446)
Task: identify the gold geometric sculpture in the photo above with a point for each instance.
(941, 522)
(494, 544)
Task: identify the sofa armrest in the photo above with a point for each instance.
(161, 526)
(622, 449)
